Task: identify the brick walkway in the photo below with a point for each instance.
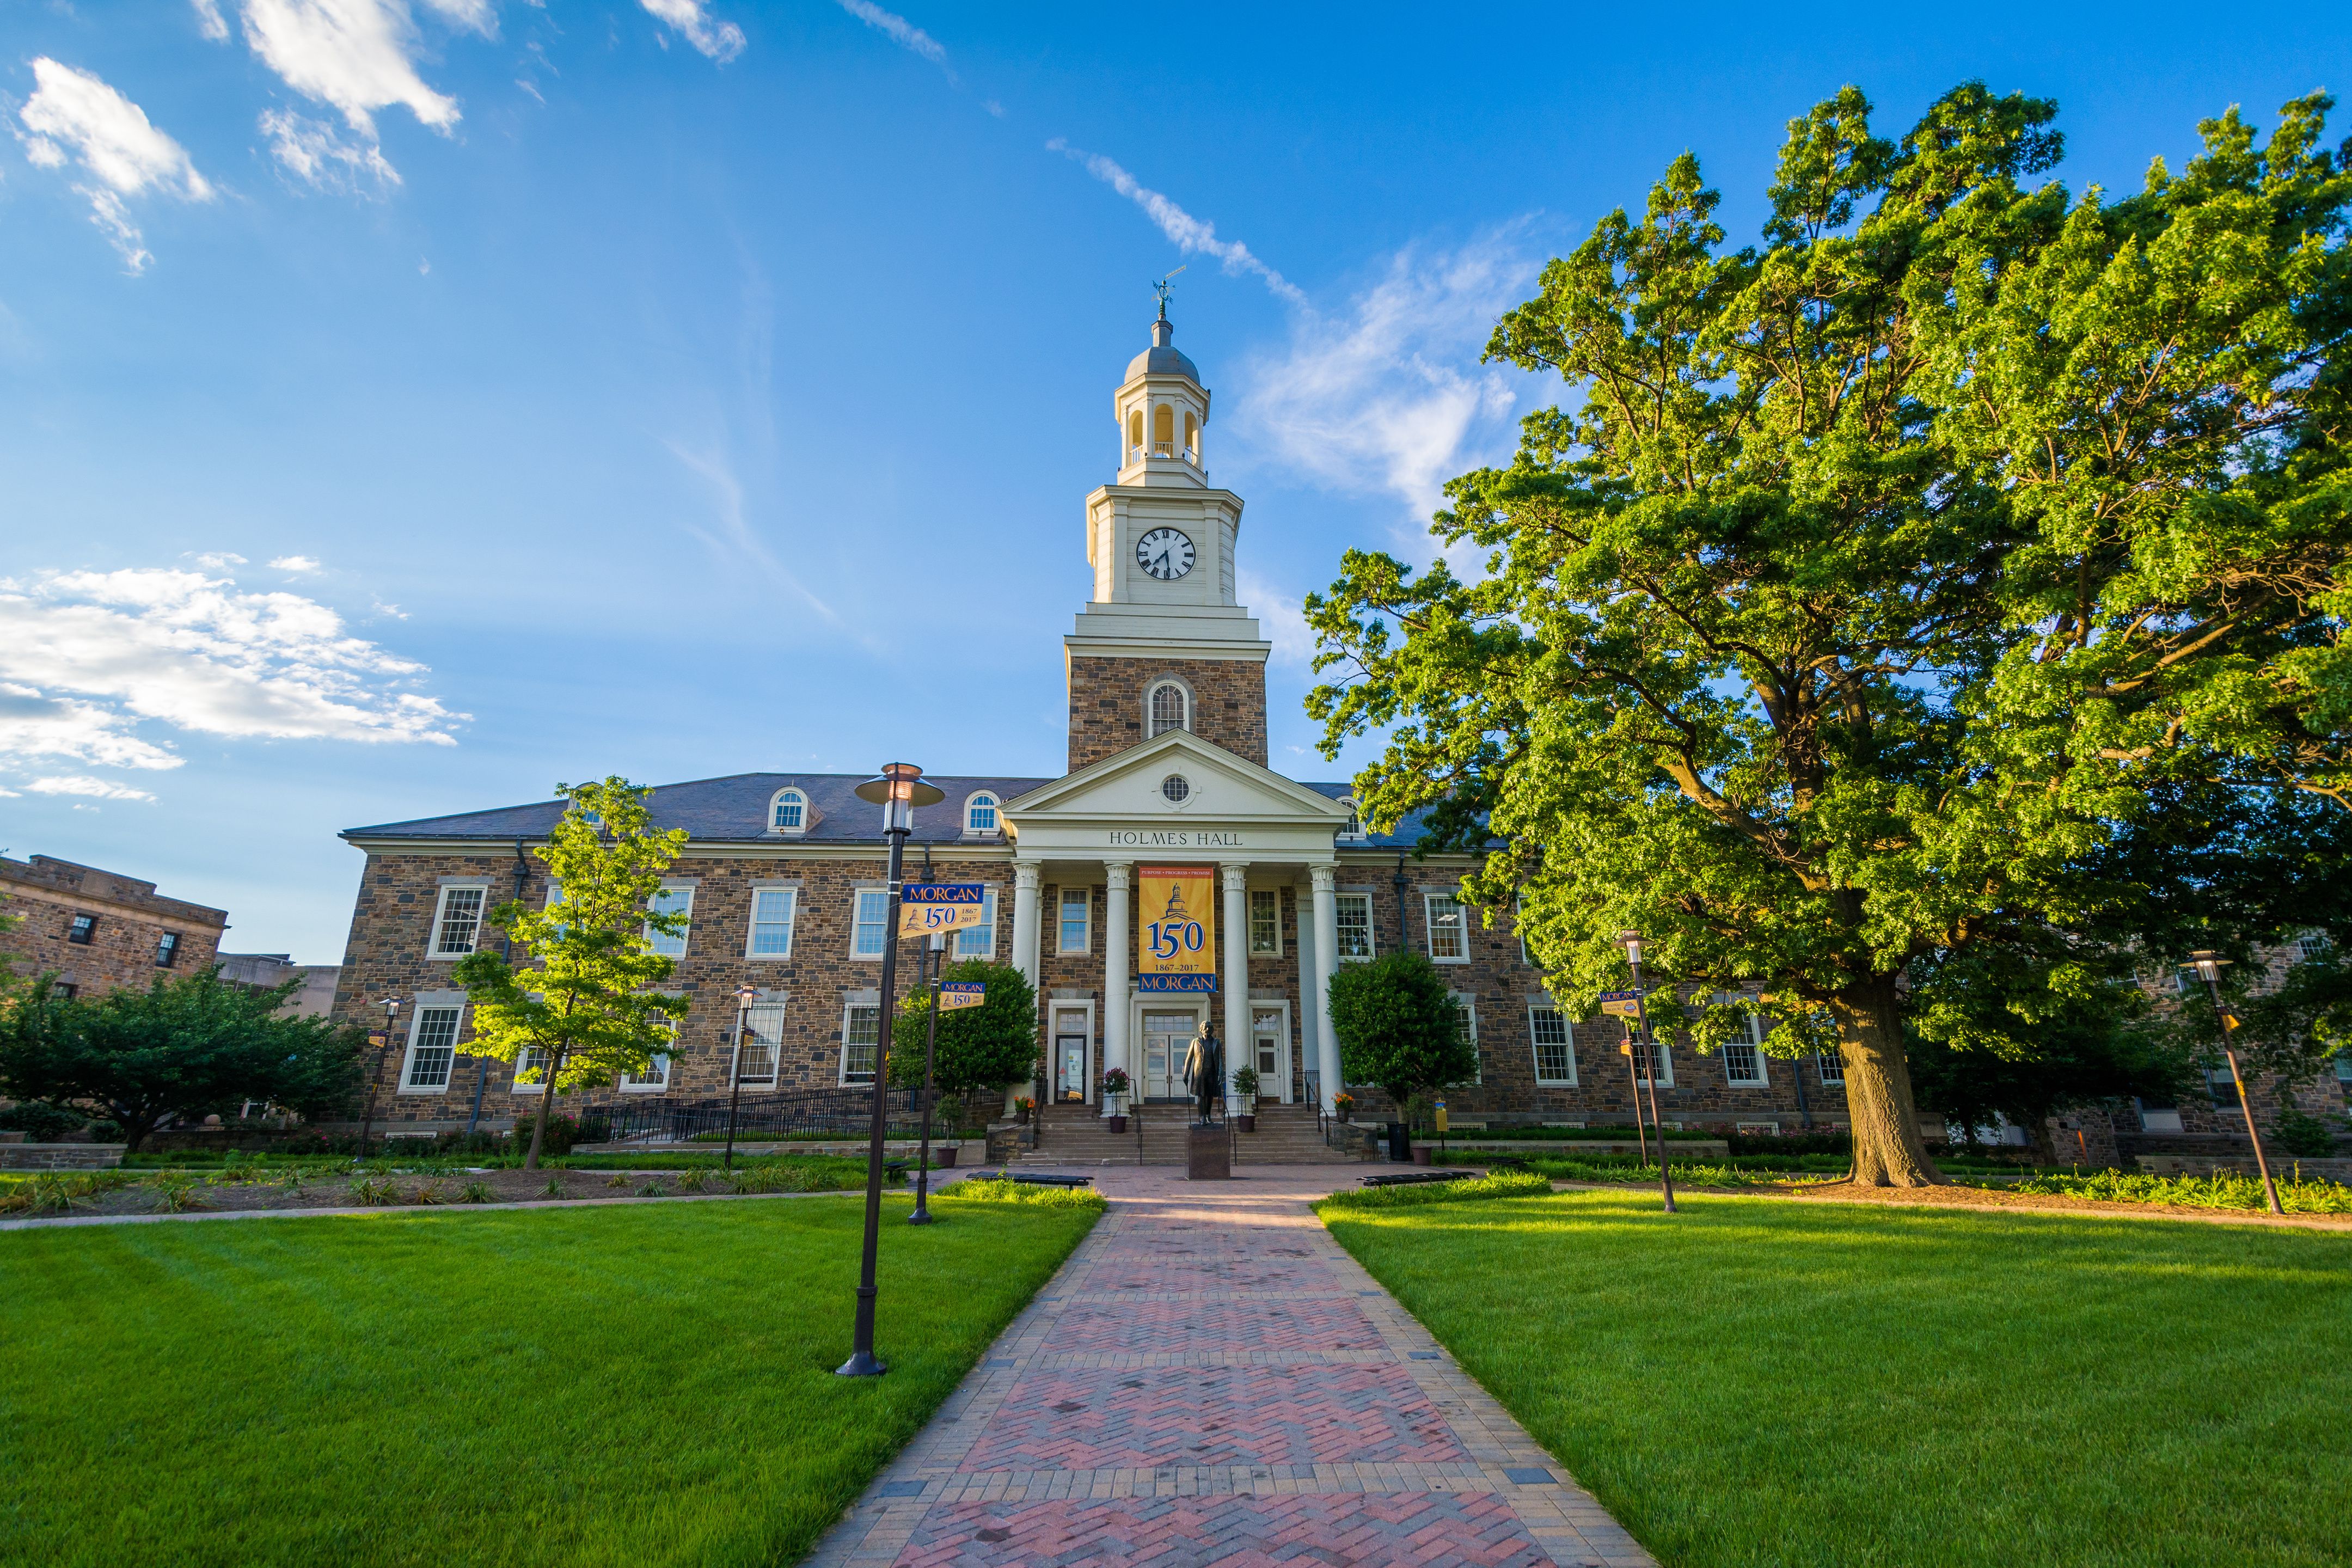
(1211, 1379)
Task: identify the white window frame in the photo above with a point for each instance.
(655, 937)
(433, 948)
(849, 1010)
(1352, 830)
(1085, 899)
(1665, 1064)
(1466, 1001)
(779, 1001)
(1754, 1024)
(881, 922)
(522, 1062)
(791, 892)
(408, 1084)
(632, 1084)
(1429, 916)
(1832, 1063)
(993, 803)
(977, 942)
(1273, 895)
(775, 804)
(1371, 935)
(1567, 1040)
(1152, 689)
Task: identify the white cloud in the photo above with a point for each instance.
(721, 43)
(314, 152)
(209, 21)
(1280, 616)
(1390, 398)
(899, 31)
(82, 784)
(296, 563)
(72, 113)
(1189, 233)
(354, 55)
(216, 559)
(86, 657)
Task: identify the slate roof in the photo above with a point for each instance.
(735, 808)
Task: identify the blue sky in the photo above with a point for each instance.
(405, 407)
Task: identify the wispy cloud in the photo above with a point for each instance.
(218, 559)
(87, 658)
(73, 114)
(82, 784)
(901, 32)
(734, 537)
(1281, 616)
(1389, 397)
(301, 566)
(721, 41)
(1191, 234)
(314, 152)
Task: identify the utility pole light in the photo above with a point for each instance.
(899, 791)
(745, 995)
(2209, 965)
(391, 1005)
(1631, 941)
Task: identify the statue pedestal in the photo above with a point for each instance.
(1208, 1154)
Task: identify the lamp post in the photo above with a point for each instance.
(1649, 1073)
(899, 791)
(391, 1005)
(745, 995)
(2208, 969)
(935, 955)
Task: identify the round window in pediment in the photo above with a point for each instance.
(1176, 788)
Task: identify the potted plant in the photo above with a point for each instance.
(1022, 1107)
(1343, 1106)
(1114, 1092)
(949, 1115)
(1245, 1098)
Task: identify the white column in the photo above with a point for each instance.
(1310, 1006)
(1116, 955)
(1327, 954)
(1234, 981)
(1024, 919)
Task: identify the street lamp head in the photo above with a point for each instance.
(900, 784)
(391, 1005)
(747, 993)
(1631, 941)
(2209, 965)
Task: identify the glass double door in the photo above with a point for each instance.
(1166, 1037)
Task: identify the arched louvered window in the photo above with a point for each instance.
(1168, 707)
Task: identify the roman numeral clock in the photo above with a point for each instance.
(1165, 553)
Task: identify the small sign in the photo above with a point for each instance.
(957, 994)
(927, 907)
(1441, 1116)
(1621, 1003)
(1149, 984)
(378, 1039)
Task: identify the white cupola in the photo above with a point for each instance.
(1161, 409)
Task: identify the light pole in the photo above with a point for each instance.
(391, 1005)
(899, 790)
(2208, 969)
(935, 955)
(745, 995)
(1632, 943)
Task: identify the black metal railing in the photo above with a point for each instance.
(841, 1113)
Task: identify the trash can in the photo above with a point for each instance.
(1399, 1141)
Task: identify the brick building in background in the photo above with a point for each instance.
(97, 930)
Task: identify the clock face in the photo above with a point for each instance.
(1164, 553)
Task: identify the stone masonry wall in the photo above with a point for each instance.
(130, 917)
(1107, 704)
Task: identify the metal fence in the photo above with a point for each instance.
(844, 1113)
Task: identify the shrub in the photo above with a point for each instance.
(40, 1121)
(999, 1190)
(1790, 1142)
(1501, 1184)
(104, 1132)
(650, 1190)
(2304, 1135)
(473, 1192)
(2222, 1189)
(375, 1190)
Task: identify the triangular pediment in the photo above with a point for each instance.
(1131, 787)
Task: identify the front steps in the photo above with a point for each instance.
(1155, 1135)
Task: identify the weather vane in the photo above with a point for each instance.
(1162, 289)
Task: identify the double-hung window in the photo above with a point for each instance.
(674, 899)
(1264, 923)
(1555, 1047)
(458, 922)
(1743, 1055)
(83, 928)
(1078, 912)
(533, 1062)
(432, 1051)
(1832, 1068)
(655, 1079)
(1466, 1005)
(861, 1042)
(761, 1048)
(1355, 926)
(869, 931)
(167, 950)
(772, 921)
(980, 941)
(1449, 927)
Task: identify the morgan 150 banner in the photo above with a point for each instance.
(1176, 929)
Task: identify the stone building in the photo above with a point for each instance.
(96, 930)
(1166, 767)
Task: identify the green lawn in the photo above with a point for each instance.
(623, 1385)
(1761, 1382)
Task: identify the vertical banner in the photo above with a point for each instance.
(1176, 927)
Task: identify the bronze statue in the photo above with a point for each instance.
(1205, 1069)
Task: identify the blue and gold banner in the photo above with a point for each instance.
(927, 907)
(957, 994)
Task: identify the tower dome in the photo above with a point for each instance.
(1163, 358)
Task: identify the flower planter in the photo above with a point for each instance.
(1117, 1123)
(1421, 1155)
(943, 1156)
(1246, 1120)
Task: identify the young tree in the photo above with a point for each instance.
(190, 1046)
(1749, 669)
(585, 1011)
(1399, 1027)
(985, 1046)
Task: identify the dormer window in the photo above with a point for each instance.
(1355, 826)
(1168, 706)
(789, 812)
(979, 815)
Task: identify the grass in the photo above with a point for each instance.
(2222, 1189)
(1755, 1381)
(583, 1386)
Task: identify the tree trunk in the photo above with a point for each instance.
(1887, 1149)
(546, 1104)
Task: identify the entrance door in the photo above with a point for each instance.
(1166, 1037)
(1070, 1068)
(1270, 1047)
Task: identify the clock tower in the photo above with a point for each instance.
(1162, 645)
